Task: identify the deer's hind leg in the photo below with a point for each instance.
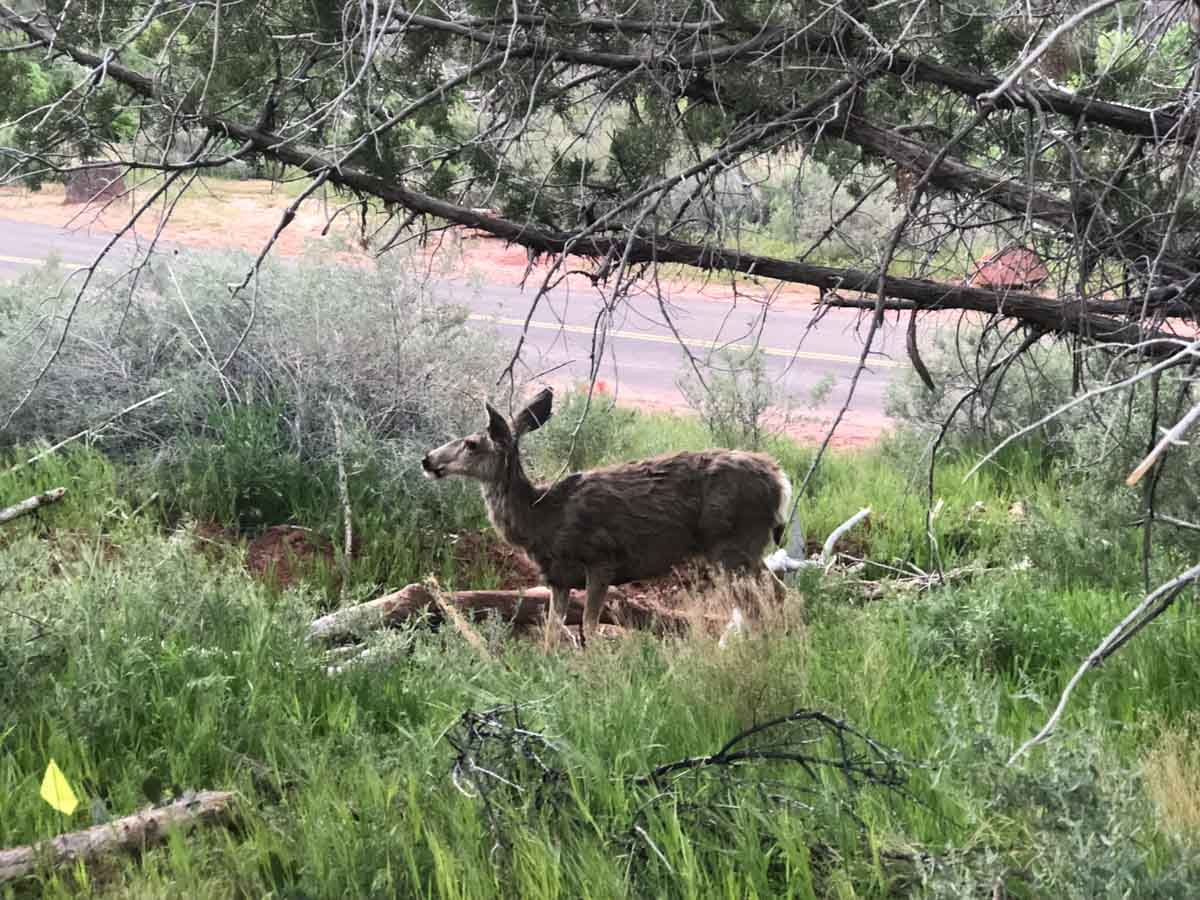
(556, 617)
(597, 591)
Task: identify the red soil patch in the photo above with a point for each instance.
(477, 550)
(285, 554)
(281, 555)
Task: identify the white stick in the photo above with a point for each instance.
(94, 430)
(1174, 436)
(827, 550)
(1097, 656)
(28, 506)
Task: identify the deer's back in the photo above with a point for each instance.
(637, 520)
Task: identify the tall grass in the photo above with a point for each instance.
(132, 658)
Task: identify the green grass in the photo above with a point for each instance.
(126, 654)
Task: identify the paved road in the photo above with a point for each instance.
(642, 357)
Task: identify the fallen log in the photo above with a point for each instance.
(131, 833)
(28, 506)
(518, 608)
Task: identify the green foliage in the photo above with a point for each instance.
(583, 432)
(734, 398)
(241, 468)
(129, 656)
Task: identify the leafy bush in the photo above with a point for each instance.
(370, 341)
(252, 443)
(734, 403)
(1036, 384)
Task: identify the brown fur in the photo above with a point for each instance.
(625, 522)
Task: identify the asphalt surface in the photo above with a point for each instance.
(642, 358)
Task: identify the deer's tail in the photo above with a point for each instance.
(784, 511)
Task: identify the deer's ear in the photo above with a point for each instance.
(498, 429)
(536, 413)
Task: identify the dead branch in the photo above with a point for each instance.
(518, 608)
(780, 561)
(127, 835)
(28, 506)
(1172, 438)
(1155, 604)
(502, 761)
(344, 496)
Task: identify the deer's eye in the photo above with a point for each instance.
(471, 445)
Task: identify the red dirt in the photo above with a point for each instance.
(476, 550)
(285, 554)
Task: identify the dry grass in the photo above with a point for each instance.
(1172, 777)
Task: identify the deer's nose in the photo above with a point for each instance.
(426, 464)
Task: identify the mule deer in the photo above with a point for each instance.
(620, 523)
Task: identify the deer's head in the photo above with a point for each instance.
(487, 455)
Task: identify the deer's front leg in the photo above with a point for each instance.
(556, 615)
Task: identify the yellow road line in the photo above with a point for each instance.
(695, 342)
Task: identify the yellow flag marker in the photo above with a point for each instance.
(57, 791)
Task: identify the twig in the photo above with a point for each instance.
(344, 496)
(28, 506)
(96, 429)
(1145, 613)
(452, 613)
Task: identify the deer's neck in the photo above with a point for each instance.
(510, 505)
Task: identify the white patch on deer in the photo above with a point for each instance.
(785, 500)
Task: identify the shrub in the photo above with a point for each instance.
(252, 442)
(371, 341)
(733, 404)
(1093, 446)
(583, 434)
(1037, 383)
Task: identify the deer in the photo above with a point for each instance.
(626, 522)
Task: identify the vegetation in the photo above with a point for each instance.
(147, 662)
(137, 652)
